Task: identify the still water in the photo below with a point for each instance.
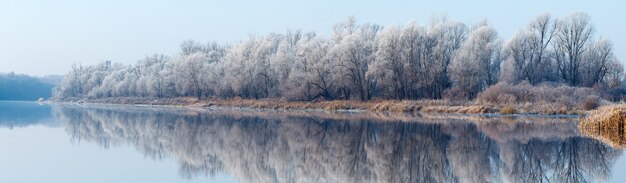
(99, 143)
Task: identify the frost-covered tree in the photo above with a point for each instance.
(353, 60)
(288, 68)
(152, 81)
(477, 64)
(319, 80)
(413, 55)
(308, 74)
(71, 84)
(352, 55)
(412, 61)
(189, 69)
(528, 54)
(443, 40)
(82, 80)
(194, 69)
(388, 65)
(248, 67)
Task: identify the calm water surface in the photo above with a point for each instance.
(88, 143)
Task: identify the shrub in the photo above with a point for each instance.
(455, 94)
(557, 94)
(590, 103)
(508, 110)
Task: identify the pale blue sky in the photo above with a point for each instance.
(46, 37)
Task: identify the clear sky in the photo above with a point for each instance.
(46, 37)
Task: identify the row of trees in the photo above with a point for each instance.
(363, 61)
(562, 51)
(24, 87)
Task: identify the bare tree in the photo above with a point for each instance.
(597, 62)
(574, 34)
(528, 55)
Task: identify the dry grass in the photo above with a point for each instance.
(472, 109)
(607, 124)
(374, 106)
(400, 106)
(395, 106)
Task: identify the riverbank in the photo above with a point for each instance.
(405, 106)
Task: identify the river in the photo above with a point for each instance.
(108, 143)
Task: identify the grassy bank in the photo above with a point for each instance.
(411, 106)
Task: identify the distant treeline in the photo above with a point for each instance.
(23, 87)
(442, 59)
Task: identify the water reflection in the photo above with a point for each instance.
(22, 114)
(612, 135)
(264, 146)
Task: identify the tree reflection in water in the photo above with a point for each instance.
(266, 146)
